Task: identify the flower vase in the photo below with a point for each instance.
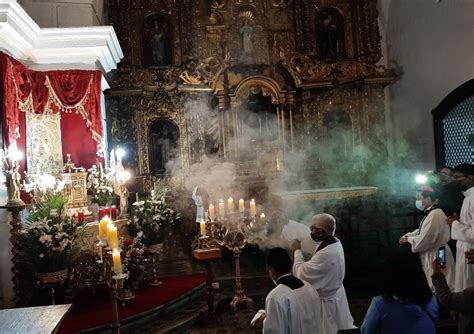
(50, 279)
(152, 251)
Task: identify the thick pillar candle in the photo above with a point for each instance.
(241, 205)
(230, 204)
(221, 209)
(253, 209)
(212, 213)
(113, 237)
(202, 226)
(116, 261)
(103, 229)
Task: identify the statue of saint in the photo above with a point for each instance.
(123, 200)
(14, 180)
(247, 47)
(157, 43)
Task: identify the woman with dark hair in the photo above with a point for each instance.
(406, 305)
(432, 235)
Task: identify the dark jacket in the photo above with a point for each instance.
(462, 302)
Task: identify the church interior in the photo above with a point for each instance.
(154, 151)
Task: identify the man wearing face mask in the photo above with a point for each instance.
(432, 234)
(462, 228)
(325, 272)
(293, 306)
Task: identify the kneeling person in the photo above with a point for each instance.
(293, 306)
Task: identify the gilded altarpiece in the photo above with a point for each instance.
(315, 60)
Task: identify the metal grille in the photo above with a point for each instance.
(458, 128)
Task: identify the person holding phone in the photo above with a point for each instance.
(462, 301)
(431, 236)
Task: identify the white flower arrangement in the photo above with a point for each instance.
(48, 236)
(100, 184)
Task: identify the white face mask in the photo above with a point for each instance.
(419, 205)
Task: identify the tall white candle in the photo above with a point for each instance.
(212, 213)
(230, 204)
(241, 205)
(253, 209)
(202, 225)
(221, 209)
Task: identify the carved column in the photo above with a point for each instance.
(19, 275)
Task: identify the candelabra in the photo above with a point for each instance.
(114, 278)
(234, 232)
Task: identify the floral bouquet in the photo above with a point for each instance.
(153, 217)
(100, 185)
(42, 187)
(48, 236)
(134, 261)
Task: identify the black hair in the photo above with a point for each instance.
(434, 195)
(279, 259)
(403, 278)
(465, 169)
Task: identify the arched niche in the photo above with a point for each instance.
(164, 151)
(330, 36)
(453, 126)
(157, 41)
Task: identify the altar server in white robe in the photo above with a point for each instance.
(325, 272)
(293, 306)
(462, 228)
(431, 235)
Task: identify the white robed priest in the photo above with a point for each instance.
(293, 306)
(431, 235)
(462, 228)
(325, 272)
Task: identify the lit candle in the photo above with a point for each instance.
(241, 205)
(113, 212)
(221, 209)
(103, 228)
(253, 210)
(202, 225)
(117, 261)
(113, 237)
(262, 216)
(212, 213)
(109, 227)
(230, 204)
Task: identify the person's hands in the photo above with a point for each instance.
(295, 244)
(470, 255)
(435, 266)
(451, 219)
(403, 240)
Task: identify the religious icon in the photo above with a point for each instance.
(330, 32)
(246, 31)
(157, 41)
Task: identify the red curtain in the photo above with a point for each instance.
(74, 93)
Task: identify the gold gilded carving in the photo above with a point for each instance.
(207, 72)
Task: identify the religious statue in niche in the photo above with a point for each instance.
(246, 31)
(164, 147)
(157, 41)
(330, 34)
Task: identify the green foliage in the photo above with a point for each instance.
(48, 236)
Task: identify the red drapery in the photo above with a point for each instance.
(74, 93)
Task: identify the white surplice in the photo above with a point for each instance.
(462, 230)
(325, 272)
(295, 311)
(426, 240)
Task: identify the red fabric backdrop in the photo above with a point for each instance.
(74, 93)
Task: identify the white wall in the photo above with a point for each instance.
(431, 42)
(64, 13)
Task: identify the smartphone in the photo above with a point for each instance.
(442, 256)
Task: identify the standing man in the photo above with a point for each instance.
(325, 272)
(462, 228)
(293, 306)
